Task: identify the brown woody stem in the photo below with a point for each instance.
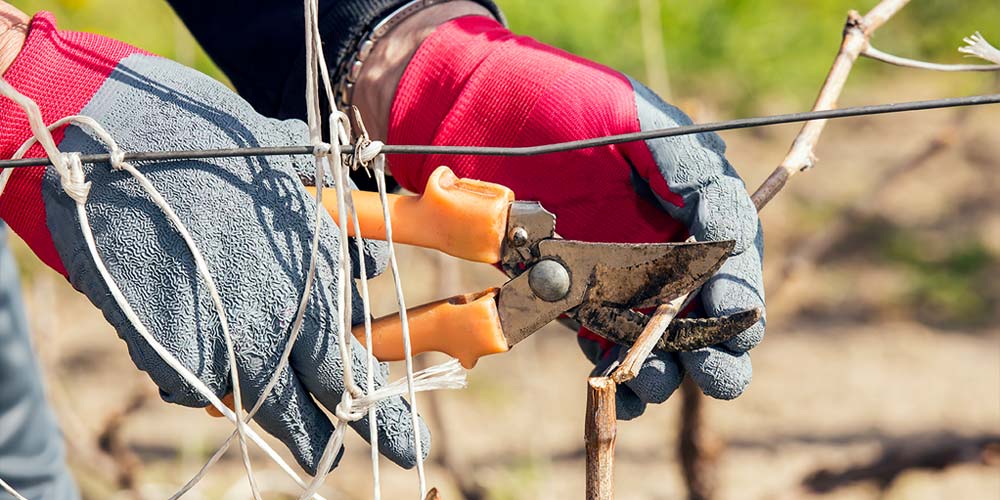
(600, 431)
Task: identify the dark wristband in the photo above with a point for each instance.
(349, 70)
(260, 45)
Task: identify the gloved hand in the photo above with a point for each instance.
(251, 218)
(473, 82)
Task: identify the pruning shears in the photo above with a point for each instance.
(600, 285)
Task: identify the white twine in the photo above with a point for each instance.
(351, 407)
(10, 489)
(370, 360)
(354, 404)
(313, 113)
(73, 183)
(404, 321)
(72, 179)
(977, 46)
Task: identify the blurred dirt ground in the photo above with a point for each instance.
(892, 340)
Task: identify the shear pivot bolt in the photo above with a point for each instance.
(549, 280)
(519, 237)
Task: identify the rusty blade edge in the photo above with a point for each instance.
(691, 334)
(659, 279)
(700, 279)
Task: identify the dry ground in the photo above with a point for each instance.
(858, 356)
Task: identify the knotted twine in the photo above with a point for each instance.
(354, 403)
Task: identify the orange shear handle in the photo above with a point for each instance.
(465, 327)
(465, 218)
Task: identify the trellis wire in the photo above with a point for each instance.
(742, 123)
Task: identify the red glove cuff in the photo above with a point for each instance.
(61, 71)
(473, 82)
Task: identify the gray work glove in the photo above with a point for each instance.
(475, 83)
(715, 206)
(252, 219)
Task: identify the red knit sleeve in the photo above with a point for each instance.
(61, 71)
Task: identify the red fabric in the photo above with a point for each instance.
(61, 71)
(604, 344)
(473, 82)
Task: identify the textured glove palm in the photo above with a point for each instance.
(251, 218)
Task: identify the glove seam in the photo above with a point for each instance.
(694, 195)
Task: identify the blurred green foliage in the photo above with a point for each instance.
(734, 53)
(741, 52)
(148, 24)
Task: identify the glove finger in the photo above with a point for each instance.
(593, 349)
(723, 210)
(291, 416)
(719, 373)
(376, 258)
(739, 285)
(628, 405)
(691, 177)
(317, 363)
(375, 252)
(658, 378)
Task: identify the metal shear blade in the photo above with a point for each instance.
(607, 281)
(664, 276)
(609, 308)
(684, 334)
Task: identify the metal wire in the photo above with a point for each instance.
(878, 109)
